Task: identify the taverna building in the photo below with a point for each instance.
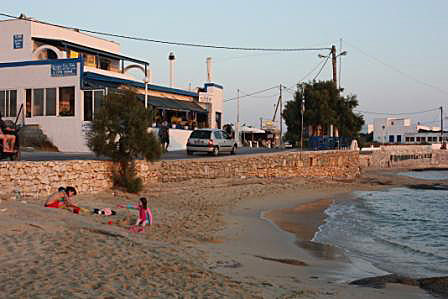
(57, 77)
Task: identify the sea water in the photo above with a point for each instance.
(400, 230)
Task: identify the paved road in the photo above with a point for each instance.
(174, 155)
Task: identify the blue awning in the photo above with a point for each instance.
(170, 104)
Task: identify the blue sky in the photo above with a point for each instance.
(396, 59)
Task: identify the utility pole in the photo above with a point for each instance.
(340, 64)
(333, 60)
(302, 111)
(441, 122)
(281, 117)
(237, 127)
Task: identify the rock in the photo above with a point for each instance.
(437, 285)
(380, 281)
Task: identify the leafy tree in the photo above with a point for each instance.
(324, 106)
(120, 131)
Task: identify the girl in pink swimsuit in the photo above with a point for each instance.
(144, 215)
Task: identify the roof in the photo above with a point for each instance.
(245, 129)
(171, 104)
(63, 43)
(91, 78)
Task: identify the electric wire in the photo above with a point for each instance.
(323, 65)
(251, 94)
(170, 42)
(312, 71)
(401, 113)
(396, 69)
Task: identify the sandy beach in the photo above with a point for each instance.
(226, 238)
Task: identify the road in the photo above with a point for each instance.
(174, 155)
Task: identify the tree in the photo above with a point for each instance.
(120, 131)
(324, 106)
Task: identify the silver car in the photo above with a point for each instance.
(212, 141)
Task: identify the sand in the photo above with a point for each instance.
(226, 238)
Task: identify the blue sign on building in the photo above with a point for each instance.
(63, 69)
(18, 41)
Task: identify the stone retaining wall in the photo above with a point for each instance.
(404, 156)
(42, 178)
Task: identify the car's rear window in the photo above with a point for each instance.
(200, 134)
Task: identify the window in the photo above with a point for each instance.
(391, 138)
(89, 60)
(218, 120)
(417, 139)
(200, 134)
(98, 100)
(104, 64)
(398, 138)
(67, 101)
(93, 100)
(8, 103)
(407, 139)
(28, 102)
(41, 102)
(412, 139)
(218, 134)
(38, 102)
(88, 105)
(50, 101)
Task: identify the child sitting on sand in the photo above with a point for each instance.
(63, 199)
(144, 215)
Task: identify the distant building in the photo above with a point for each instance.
(61, 76)
(401, 131)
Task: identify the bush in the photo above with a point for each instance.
(120, 131)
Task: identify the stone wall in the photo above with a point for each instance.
(286, 164)
(42, 178)
(403, 156)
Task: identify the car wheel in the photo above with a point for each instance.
(233, 152)
(189, 153)
(215, 151)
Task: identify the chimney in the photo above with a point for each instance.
(209, 69)
(172, 60)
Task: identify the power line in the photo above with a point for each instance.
(312, 71)
(169, 42)
(402, 113)
(323, 65)
(251, 94)
(396, 69)
(309, 73)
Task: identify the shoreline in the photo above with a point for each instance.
(296, 221)
(262, 248)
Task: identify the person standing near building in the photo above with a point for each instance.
(8, 140)
(164, 136)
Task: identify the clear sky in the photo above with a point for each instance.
(396, 61)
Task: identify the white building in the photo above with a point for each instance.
(400, 130)
(59, 77)
(391, 130)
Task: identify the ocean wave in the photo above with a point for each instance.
(399, 229)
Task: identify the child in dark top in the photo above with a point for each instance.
(63, 199)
